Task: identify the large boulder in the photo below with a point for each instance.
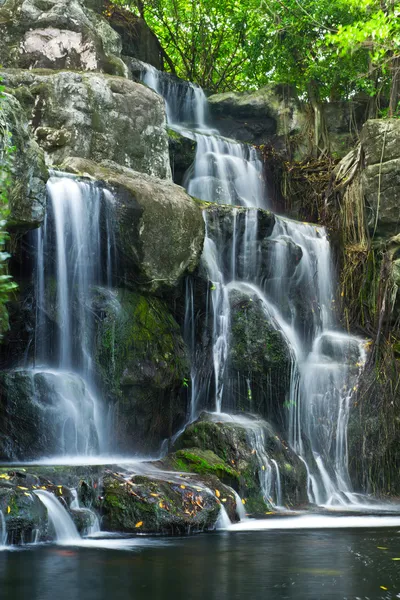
(27, 196)
(94, 116)
(142, 361)
(57, 35)
(166, 504)
(159, 229)
(380, 178)
(246, 448)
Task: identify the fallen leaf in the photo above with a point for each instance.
(382, 548)
(155, 495)
(395, 558)
(8, 510)
(139, 524)
(217, 493)
(383, 587)
(183, 487)
(243, 500)
(223, 499)
(21, 488)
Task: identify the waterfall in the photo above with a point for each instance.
(70, 255)
(64, 526)
(3, 534)
(223, 521)
(240, 510)
(289, 272)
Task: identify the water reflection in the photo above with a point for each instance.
(295, 565)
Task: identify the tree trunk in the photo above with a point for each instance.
(395, 87)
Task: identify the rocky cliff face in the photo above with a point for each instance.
(69, 104)
(370, 228)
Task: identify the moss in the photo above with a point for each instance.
(204, 462)
(136, 329)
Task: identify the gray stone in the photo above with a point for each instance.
(95, 116)
(27, 196)
(380, 178)
(57, 34)
(159, 228)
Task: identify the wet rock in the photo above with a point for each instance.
(143, 364)
(159, 229)
(141, 504)
(94, 116)
(259, 361)
(232, 440)
(182, 153)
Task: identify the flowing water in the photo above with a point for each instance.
(290, 272)
(71, 259)
(64, 527)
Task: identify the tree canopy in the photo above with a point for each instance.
(331, 48)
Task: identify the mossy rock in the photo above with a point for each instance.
(232, 444)
(259, 359)
(143, 364)
(144, 505)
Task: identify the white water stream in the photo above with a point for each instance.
(293, 279)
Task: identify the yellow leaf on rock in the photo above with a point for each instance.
(139, 524)
(8, 510)
(383, 587)
(223, 499)
(21, 488)
(183, 487)
(155, 495)
(243, 500)
(395, 558)
(382, 548)
(217, 493)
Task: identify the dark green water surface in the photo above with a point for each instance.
(267, 565)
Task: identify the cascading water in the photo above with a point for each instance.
(289, 272)
(64, 527)
(69, 262)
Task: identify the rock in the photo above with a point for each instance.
(142, 504)
(380, 178)
(57, 35)
(38, 417)
(94, 116)
(227, 222)
(231, 439)
(182, 153)
(25, 516)
(138, 40)
(252, 117)
(143, 364)
(269, 115)
(159, 228)
(259, 360)
(27, 195)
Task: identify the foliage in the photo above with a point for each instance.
(377, 35)
(6, 156)
(323, 48)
